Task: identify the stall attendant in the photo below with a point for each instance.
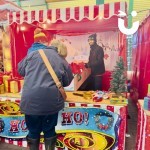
(96, 62)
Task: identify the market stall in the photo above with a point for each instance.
(85, 120)
(140, 60)
(80, 125)
(143, 128)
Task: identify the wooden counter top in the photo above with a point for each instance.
(70, 98)
(141, 102)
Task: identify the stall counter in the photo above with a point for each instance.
(112, 134)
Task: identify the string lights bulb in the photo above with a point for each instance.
(22, 28)
(48, 21)
(44, 26)
(100, 17)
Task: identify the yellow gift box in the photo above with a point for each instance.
(7, 65)
(14, 87)
(21, 83)
(5, 81)
(7, 53)
(2, 89)
(6, 77)
(148, 89)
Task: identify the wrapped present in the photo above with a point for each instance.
(7, 53)
(1, 80)
(2, 89)
(7, 65)
(6, 77)
(14, 85)
(21, 83)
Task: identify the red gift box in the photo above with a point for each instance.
(1, 80)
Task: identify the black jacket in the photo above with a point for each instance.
(96, 60)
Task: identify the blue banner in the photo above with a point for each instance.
(78, 127)
(13, 126)
(85, 127)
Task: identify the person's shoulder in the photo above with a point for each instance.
(99, 48)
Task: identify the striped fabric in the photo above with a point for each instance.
(5, 7)
(65, 14)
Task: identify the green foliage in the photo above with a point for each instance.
(118, 78)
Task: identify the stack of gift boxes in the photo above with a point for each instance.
(147, 100)
(8, 84)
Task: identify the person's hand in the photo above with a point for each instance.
(86, 65)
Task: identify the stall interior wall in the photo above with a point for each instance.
(113, 43)
(141, 60)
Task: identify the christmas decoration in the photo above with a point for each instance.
(104, 126)
(118, 81)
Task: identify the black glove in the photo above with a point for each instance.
(86, 65)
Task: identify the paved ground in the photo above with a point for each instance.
(132, 126)
(130, 141)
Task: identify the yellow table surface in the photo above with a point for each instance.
(80, 99)
(141, 102)
(70, 98)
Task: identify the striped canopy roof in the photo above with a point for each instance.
(77, 14)
(5, 7)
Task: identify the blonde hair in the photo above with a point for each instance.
(61, 48)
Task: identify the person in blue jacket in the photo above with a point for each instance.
(41, 100)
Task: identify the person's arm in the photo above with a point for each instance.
(21, 66)
(67, 75)
(23, 63)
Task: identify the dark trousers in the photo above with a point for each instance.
(97, 83)
(37, 124)
(92, 83)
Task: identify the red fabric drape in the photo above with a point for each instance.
(141, 60)
(20, 42)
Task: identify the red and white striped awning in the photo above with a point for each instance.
(105, 11)
(5, 7)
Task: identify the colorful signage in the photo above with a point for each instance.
(87, 129)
